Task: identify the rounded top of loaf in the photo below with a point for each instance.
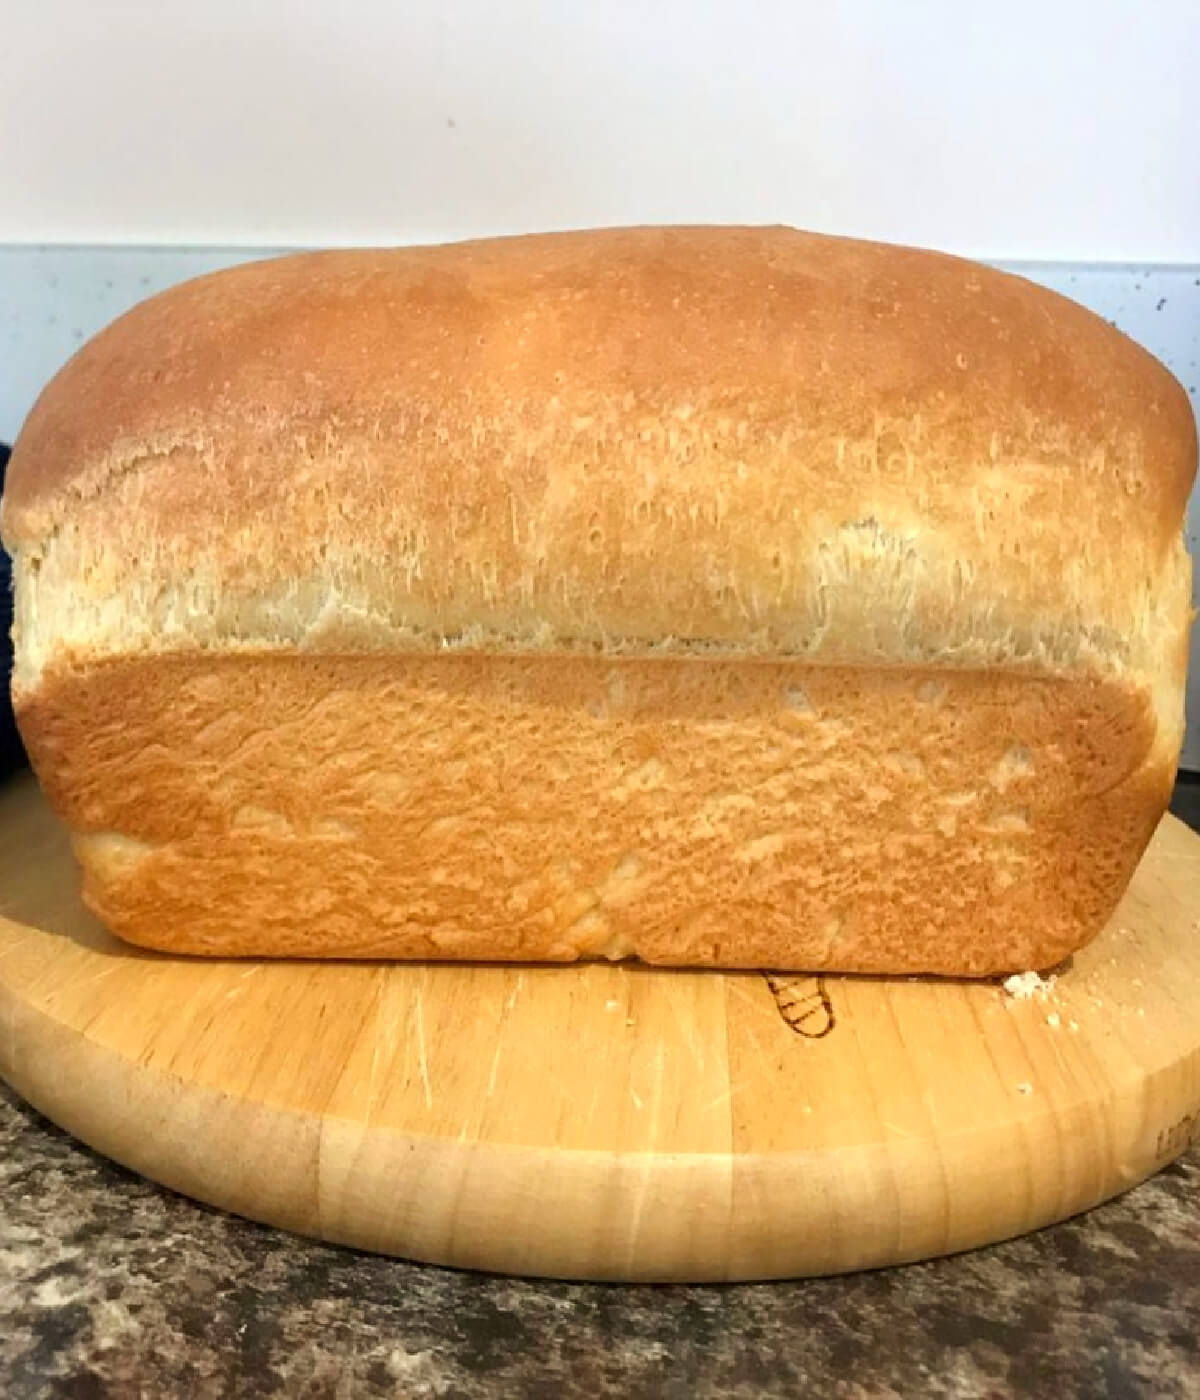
(755, 438)
(759, 324)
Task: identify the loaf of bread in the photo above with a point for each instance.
(729, 597)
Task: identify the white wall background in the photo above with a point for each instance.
(1057, 129)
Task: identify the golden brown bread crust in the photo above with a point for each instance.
(751, 322)
(349, 507)
(753, 814)
(770, 441)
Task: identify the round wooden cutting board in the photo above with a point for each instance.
(609, 1122)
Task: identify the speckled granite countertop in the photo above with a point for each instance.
(112, 1287)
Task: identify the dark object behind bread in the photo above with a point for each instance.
(12, 755)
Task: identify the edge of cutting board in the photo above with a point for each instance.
(609, 1122)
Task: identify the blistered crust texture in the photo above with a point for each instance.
(758, 440)
(550, 808)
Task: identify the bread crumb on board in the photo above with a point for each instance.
(1023, 986)
(1025, 1087)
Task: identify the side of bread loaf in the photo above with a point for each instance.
(725, 596)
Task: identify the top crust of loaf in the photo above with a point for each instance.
(761, 441)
